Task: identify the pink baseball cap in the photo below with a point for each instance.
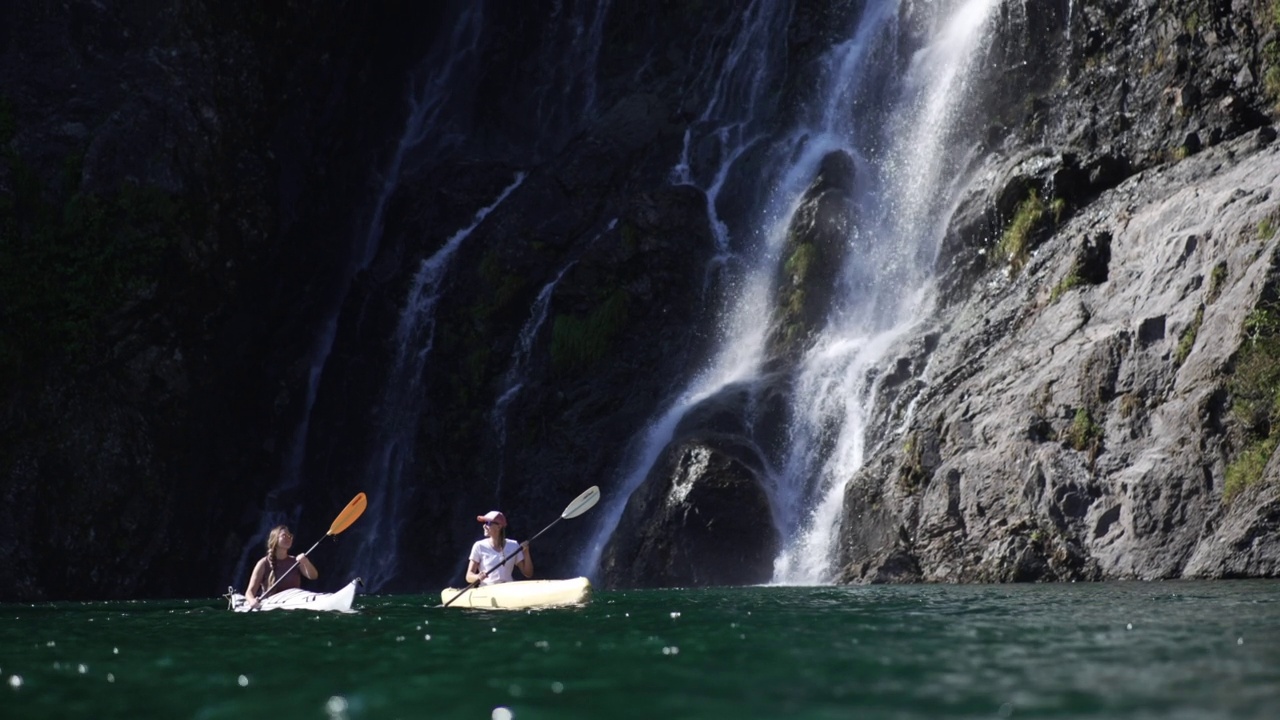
(493, 516)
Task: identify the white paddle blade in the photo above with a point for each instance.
(582, 503)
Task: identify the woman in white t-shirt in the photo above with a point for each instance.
(486, 565)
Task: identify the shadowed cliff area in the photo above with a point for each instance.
(193, 197)
(176, 190)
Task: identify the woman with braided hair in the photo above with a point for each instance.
(276, 571)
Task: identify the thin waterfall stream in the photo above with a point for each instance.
(429, 95)
(401, 409)
(512, 379)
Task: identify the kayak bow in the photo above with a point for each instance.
(297, 599)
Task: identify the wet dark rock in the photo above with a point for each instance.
(707, 486)
(1094, 259)
(701, 518)
(817, 244)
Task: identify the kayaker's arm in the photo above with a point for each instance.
(306, 568)
(473, 572)
(526, 562)
(255, 582)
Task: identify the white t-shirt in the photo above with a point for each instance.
(488, 556)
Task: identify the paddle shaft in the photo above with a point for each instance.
(286, 572)
(349, 514)
(580, 504)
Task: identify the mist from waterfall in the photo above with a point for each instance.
(899, 124)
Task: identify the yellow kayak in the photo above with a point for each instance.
(521, 594)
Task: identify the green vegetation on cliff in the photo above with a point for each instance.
(1187, 340)
(1216, 279)
(578, 342)
(1030, 218)
(1271, 59)
(1255, 394)
(797, 270)
(912, 473)
(1015, 243)
(1066, 284)
(66, 265)
(1084, 433)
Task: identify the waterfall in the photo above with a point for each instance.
(724, 130)
(429, 94)
(901, 125)
(564, 76)
(563, 93)
(401, 409)
(904, 219)
(512, 379)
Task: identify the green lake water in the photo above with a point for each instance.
(1109, 650)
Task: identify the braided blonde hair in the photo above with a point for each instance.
(273, 542)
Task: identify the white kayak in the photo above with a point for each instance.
(298, 599)
(521, 594)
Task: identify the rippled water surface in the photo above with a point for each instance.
(1126, 650)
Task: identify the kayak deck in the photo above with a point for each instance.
(521, 594)
(298, 599)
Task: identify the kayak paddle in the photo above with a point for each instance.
(580, 504)
(349, 514)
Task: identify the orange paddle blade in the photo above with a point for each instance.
(349, 514)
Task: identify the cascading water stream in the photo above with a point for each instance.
(513, 378)
(565, 94)
(900, 130)
(564, 79)
(429, 95)
(401, 409)
(905, 215)
(729, 126)
(729, 122)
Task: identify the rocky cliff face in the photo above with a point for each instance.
(1090, 408)
(182, 191)
(1084, 428)
(170, 181)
